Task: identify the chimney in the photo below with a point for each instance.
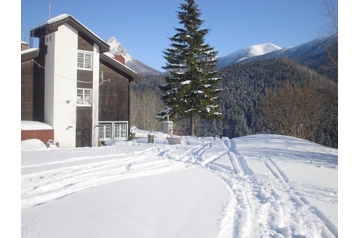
(120, 59)
(24, 45)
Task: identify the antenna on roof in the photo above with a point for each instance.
(49, 9)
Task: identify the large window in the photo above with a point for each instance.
(120, 130)
(84, 60)
(84, 97)
(104, 131)
(113, 130)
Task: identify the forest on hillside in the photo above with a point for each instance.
(276, 96)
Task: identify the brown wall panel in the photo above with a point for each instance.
(84, 43)
(43, 135)
(39, 89)
(113, 96)
(84, 118)
(32, 90)
(84, 78)
(26, 90)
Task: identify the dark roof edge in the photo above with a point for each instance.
(53, 24)
(29, 54)
(115, 63)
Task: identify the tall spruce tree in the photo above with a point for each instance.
(190, 87)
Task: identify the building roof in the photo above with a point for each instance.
(52, 25)
(29, 54)
(109, 58)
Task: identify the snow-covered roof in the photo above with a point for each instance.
(34, 125)
(75, 23)
(111, 56)
(29, 50)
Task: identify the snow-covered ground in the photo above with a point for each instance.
(252, 186)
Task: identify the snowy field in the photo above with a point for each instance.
(252, 186)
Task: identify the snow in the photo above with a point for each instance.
(111, 56)
(35, 125)
(115, 47)
(251, 51)
(64, 16)
(29, 50)
(251, 186)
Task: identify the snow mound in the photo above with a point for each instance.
(32, 144)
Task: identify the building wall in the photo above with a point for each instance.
(43, 135)
(27, 88)
(50, 95)
(87, 116)
(95, 94)
(60, 84)
(113, 96)
(32, 90)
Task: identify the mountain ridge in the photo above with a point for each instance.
(304, 53)
(301, 53)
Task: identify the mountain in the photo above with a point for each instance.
(117, 48)
(310, 54)
(299, 52)
(245, 53)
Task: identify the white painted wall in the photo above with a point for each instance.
(61, 85)
(49, 78)
(95, 95)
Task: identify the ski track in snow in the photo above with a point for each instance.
(268, 205)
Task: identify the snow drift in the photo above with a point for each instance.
(252, 186)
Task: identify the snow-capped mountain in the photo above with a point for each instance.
(117, 48)
(305, 50)
(302, 53)
(248, 52)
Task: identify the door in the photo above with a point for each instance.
(83, 138)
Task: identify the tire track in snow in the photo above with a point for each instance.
(257, 207)
(237, 215)
(328, 228)
(281, 212)
(240, 159)
(236, 220)
(40, 188)
(234, 163)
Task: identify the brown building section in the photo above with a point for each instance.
(84, 113)
(84, 79)
(32, 87)
(43, 135)
(84, 42)
(84, 127)
(113, 96)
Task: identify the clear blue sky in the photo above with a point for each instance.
(143, 26)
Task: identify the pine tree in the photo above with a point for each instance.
(190, 89)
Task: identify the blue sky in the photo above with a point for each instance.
(143, 26)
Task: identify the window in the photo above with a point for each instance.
(84, 96)
(120, 130)
(112, 130)
(104, 131)
(84, 60)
